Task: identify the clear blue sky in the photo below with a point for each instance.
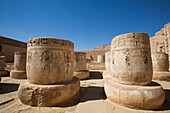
(87, 23)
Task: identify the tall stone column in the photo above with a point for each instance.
(3, 72)
(80, 66)
(131, 73)
(106, 73)
(50, 66)
(19, 71)
(160, 63)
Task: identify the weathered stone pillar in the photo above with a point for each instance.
(167, 37)
(50, 69)
(160, 63)
(19, 71)
(3, 72)
(106, 73)
(131, 59)
(80, 66)
(131, 71)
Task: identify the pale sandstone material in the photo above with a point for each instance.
(79, 61)
(2, 62)
(100, 58)
(161, 75)
(167, 37)
(84, 74)
(3, 72)
(107, 60)
(80, 66)
(19, 71)
(131, 59)
(49, 95)
(160, 61)
(49, 60)
(136, 97)
(17, 74)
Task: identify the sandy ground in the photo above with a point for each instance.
(92, 99)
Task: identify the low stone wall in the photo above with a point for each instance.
(9, 46)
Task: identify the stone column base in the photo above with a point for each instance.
(3, 73)
(18, 74)
(136, 97)
(162, 76)
(106, 74)
(83, 74)
(49, 95)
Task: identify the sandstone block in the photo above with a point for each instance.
(84, 74)
(107, 60)
(2, 62)
(79, 61)
(136, 97)
(3, 73)
(17, 74)
(131, 59)
(49, 95)
(20, 60)
(49, 60)
(160, 61)
(161, 75)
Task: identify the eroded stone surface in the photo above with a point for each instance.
(161, 75)
(2, 62)
(19, 71)
(79, 61)
(107, 60)
(17, 74)
(84, 74)
(49, 95)
(49, 60)
(160, 61)
(131, 59)
(136, 97)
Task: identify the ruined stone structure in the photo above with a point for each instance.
(160, 66)
(92, 59)
(131, 73)
(80, 66)
(19, 71)
(50, 66)
(9, 46)
(161, 41)
(106, 73)
(3, 72)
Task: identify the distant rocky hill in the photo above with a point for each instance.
(102, 47)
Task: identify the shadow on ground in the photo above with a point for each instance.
(8, 87)
(95, 75)
(166, 105)
(91, 93)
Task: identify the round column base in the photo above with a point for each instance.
(3, 73)
(18, 74)
(49, 95)
(162, 76)
(83, 74)
(136, 97)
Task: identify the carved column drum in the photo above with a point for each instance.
(2, 62)
(107, 60)
(49, 60)
(79, 61)
(100, 58)
(20, 60)
(160, 61)
(131, 59)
